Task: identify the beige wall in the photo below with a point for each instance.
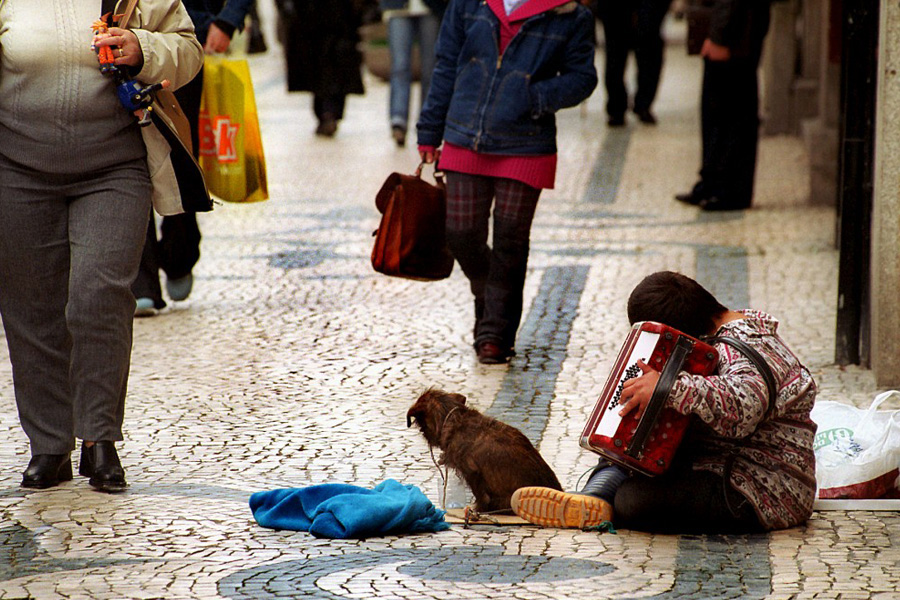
(886, 205)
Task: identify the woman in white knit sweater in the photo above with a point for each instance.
(74, 202)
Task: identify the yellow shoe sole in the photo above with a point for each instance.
(551, 508)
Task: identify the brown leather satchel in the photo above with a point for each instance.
(410, 240)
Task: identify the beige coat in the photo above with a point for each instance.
(171, 51)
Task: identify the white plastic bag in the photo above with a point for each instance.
(857, 451)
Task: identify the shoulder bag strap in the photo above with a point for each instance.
(758, 361)
(129, 10)
(108, 6)
(772, 387)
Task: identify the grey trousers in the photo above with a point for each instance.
(70, 246)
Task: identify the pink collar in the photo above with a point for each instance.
(529, 9)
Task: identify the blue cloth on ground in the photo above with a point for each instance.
(340, 510)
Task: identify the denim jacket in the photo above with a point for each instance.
(505, 104)
(227, 14)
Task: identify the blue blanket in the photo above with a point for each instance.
(339, 510)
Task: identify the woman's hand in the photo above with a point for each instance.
(429, 156)
(636, 393)
(217, 41)
(714, 51)
(128, 52)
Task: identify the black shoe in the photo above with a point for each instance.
(717, 204)
(327, 126)
(257, 42)
(690, 198)
(616, 121)
(645, 116)
(399, 135)
(47, 470)
(101, 463)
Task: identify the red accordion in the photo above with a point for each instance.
(646, 445)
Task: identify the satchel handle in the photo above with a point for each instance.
(438, 174)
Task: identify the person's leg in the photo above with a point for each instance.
(179, 251)
(400, 42)
(684, 502)
(588, 507)
(649, 48)
(104, 262)
(469, 199)
(34, 274)
(616, 19)
(713, 119)
(429, 27)
(146, 288)
(329, 109)
(514, 211)
(731, 126)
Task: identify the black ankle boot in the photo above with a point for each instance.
(101, 463)
(605, 479)
(47, 470)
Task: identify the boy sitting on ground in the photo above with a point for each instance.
(744, 466)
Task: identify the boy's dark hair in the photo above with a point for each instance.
(675, 300)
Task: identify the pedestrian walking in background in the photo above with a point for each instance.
(729, 110)
(504, 67)
(408, 22)
(632, 26)
(321, 42)
(75, 195)
(178, 248)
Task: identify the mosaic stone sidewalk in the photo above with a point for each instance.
(293, 364)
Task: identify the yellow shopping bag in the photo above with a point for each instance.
(231, 152)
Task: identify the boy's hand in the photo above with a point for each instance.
(636, 393)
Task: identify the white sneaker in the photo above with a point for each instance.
(552, 508)
(145, 307)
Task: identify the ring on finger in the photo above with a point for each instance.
(121, 53)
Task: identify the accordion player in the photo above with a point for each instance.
(646, 444)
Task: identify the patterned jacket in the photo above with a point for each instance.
(772, 451)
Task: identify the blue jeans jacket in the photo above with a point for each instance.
(506, 104)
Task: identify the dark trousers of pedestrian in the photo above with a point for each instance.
(496, 272)
(730, 130)
(329, 106)
(632, 27)
(683, 501)
(178, 248)
(729, 119)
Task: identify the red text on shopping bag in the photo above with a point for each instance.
(218, 137)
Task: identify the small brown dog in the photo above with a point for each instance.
(494, 459)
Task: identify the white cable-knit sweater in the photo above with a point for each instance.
(58, 113)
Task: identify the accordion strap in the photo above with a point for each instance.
(680, 352)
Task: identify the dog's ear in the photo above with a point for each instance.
(457, 398)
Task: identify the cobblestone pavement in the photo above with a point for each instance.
(293, 364)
